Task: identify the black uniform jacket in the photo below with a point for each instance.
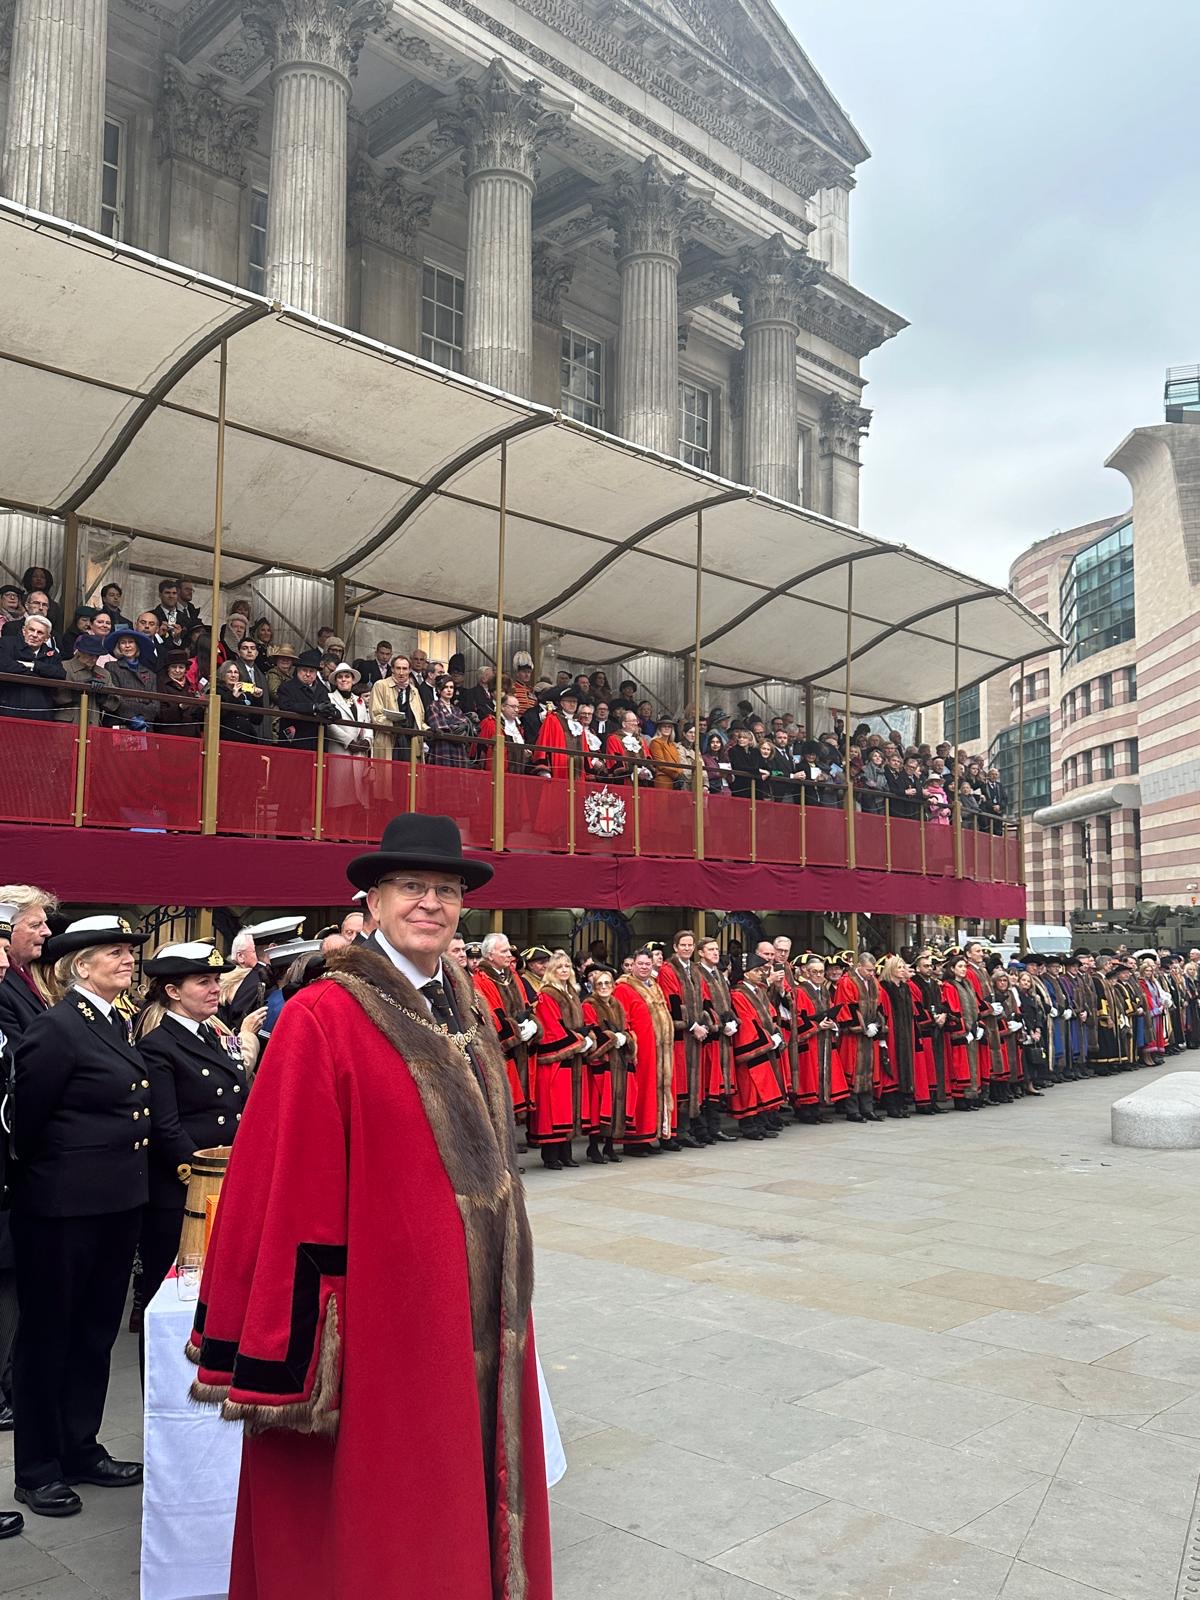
(18, 1006)
(197, 1096)
(81, 1116)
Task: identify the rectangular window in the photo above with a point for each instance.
(1131, 749)
(1086, 760)
(1132, 678)
(1105, 689)
(112, 180)
(442, 296)
(1096, 605)
(695, 425)
(257, 252)
(1003, 755)
(1085, 699)
(581, 378)
(1108, 760)
(968, 707)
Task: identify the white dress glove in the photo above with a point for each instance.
(1053, 1011)
(997, 1008)
(777, 1040)
(979, 1033)
(527, 1029)
(588, 1043)
(731, 1028)
(872, 1029)
(620, 1039)
(1015, 1027)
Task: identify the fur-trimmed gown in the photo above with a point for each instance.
(365, 1308)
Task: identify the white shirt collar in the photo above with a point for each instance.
(189, 1023)
(405, 967)
(90, 994)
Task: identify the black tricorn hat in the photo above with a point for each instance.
(427, 844)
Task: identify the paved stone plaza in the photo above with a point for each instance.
(953, 1357)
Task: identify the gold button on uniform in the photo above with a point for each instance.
(204, 1072)
(145, 1083)
(220, 1091)
(221, 1120)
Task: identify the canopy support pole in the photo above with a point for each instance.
(810, 711)
(339, 608)
(1024, 933)
(535, 650)
(956, 748)
(212, 718)
(499, 763)
(697, 761)
(69, 597)
(851, 842)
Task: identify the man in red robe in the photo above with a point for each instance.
(681, 981)
(648, 1104)
(512, 1016)
(756, 1046)
(559, 734)
(861, 1027)
(364, 1309)
(628, 752)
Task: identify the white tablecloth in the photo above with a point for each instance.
(193, 1459)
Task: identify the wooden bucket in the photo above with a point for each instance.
(208, 1174)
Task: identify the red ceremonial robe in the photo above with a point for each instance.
(756, 1083)
(558, 739)
(641, 1094)
(554, 1055)
(959, 1041)
(506, 1033)
(365, 1310)
(858, 1054)
(924, 1061)
(621, 760)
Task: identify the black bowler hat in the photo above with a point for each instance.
(310, 658)
(428, 844)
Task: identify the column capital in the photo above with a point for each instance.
(651, 209)
(842, 426)
(320, 33)
(194, 120)
(503, 121)
(772, 280)
(383, 210)
(552, 275)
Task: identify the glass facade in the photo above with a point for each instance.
(1096, 597)
(1003, 756)
(968, 710)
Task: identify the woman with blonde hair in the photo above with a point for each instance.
(558, 1061)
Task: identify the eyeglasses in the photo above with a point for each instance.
(449, 894)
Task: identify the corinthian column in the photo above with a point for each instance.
(315, 44)
(55, 126)
(651, 211)
(771, 280)
(842, 426)
(503, 121)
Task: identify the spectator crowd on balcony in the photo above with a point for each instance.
(151, 674)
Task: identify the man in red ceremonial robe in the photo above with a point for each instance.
(820, 1065)
(718, 1052)
(756, 1046)
(681, 982)
(628, 752)
(648, 1104)
(364, 1309)
(512, 1016)
(560, 733)
(861, 1025)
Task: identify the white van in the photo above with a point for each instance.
(1047, 938)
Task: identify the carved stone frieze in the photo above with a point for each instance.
(383, 210)
(7, 11)
(245, 52)
(842, 426)
(650, 209)
(552, 274)
(503, 121)
(412, 47)
(844, 327)
(773, 280)
(597, 41)
(194, 120)
(322, 33)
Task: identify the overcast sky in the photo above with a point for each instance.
(1032, 207)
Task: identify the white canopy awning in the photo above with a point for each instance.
(347, 458)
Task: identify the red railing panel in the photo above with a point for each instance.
(361, 796)
(1012, 859)
(726, 828)
(777, 832)
(266, 791)
(461, 793)
(668, 822)
(536, 813)
(939, 849)
(870, 841)
(143, 780)
(906, 844)
(37, 771)
(825, 836)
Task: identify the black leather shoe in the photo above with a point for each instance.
(110, 1474)
(721, 1137)
(51, 1500)
(6, 1417)
(689, 1142)
(11, 1523)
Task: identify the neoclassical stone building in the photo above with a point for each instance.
(634, 210)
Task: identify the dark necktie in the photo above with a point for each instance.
(439, 1005)
(118, 1024)
(209, 1035)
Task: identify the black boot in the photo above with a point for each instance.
(609, 1153)
(564, 1150)
(593, 1151)
(750, 1128)
(552, 1157)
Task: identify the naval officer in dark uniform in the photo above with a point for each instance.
(199, 1078)
(81, 1133)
